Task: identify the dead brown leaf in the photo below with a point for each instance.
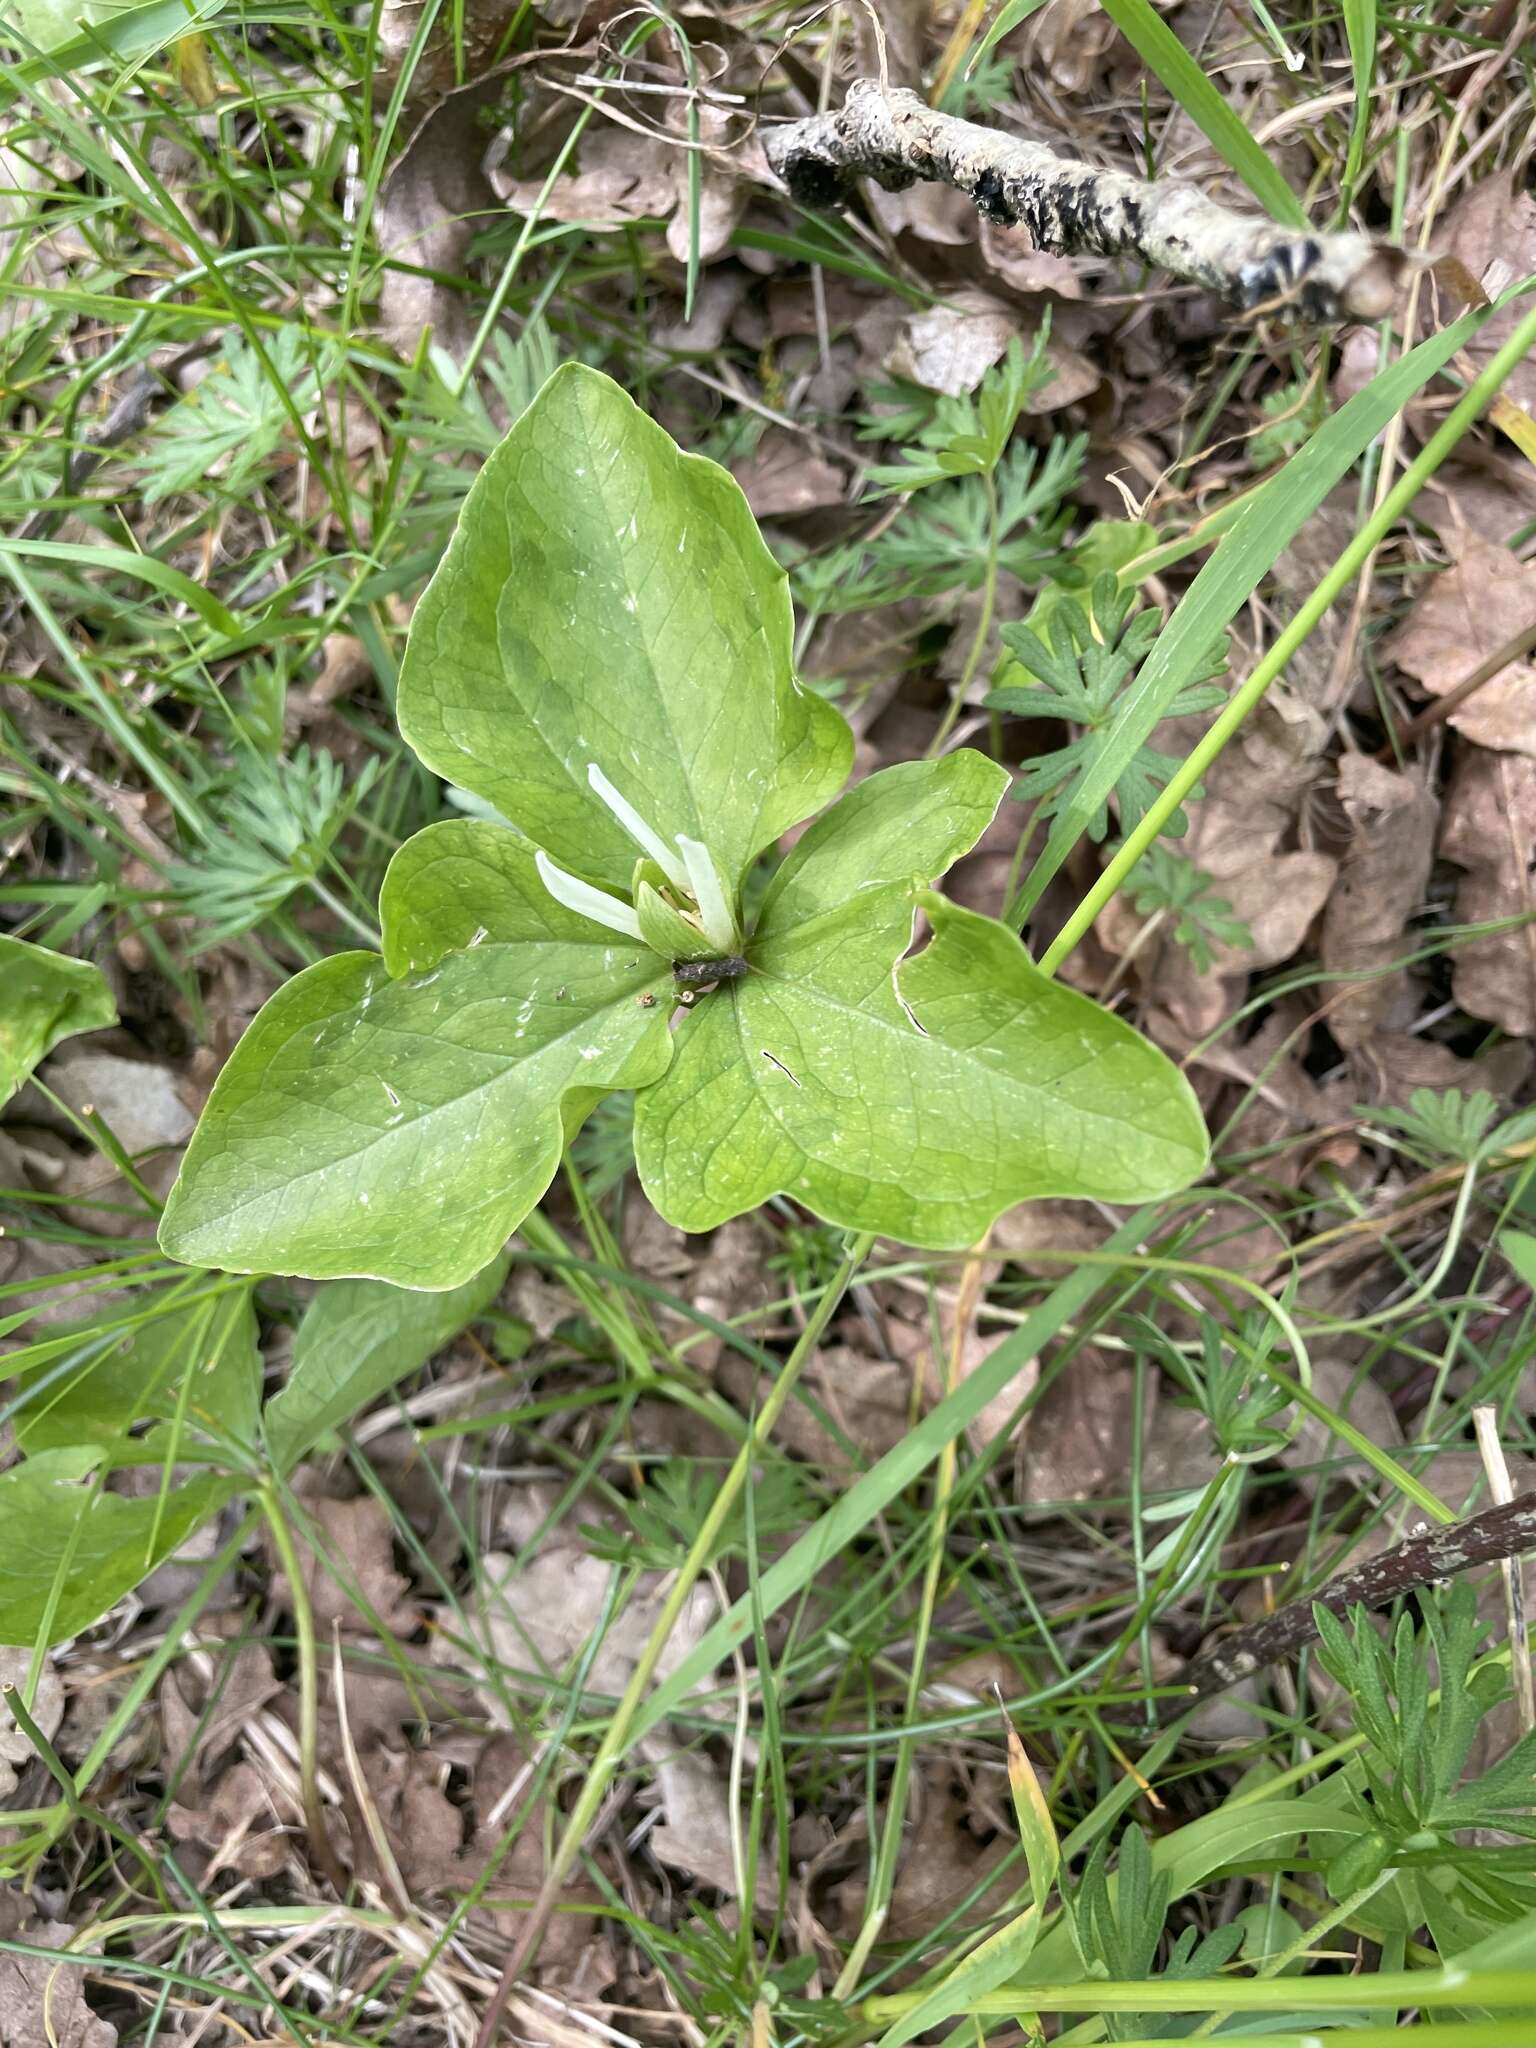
(42, 2003)
(782, 477)
(623, 178)
(237, 1822)
(543, 1613)
(950, 347)
(426, 218)
(1080, 1432)
(349, 1571)
(1489, 830)
(1393, 819)
(1467, 614)
(1491, 232)
(47, 1709)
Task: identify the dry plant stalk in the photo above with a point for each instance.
(1077, 209)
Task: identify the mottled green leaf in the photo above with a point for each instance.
(607, 599)
(359, 1337)
(196, 1362)
(72, 1549)
(401, 1130)
(44, 997)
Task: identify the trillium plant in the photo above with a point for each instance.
(604, 660)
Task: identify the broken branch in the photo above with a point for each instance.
(1077, 209)
(1487, 1538)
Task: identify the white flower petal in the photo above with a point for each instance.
(585, 900)
(644, 837)
(708, 891)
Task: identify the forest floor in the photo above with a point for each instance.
(272, 291)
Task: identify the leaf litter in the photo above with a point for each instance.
(462, 1615)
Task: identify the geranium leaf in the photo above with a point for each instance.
(401, 1130)
(44, 997)
(607, 599)
(72, 1549)
(359, 1337)
(984, 1085)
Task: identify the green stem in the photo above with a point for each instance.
(309, 1685)
(611, 1749)
(1427, 1988)
(983, 623)
(1274, 1965)
(1457, 423)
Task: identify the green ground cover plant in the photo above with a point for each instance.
(691, 1298)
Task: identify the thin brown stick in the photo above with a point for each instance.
(1077, 209)
(1442, 708)
(1488, 1538)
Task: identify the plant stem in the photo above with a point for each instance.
(1462, 416)
(1272, 1966)
(1428, 1988)
(309, 1686)
(611, 1749)
(983, 623)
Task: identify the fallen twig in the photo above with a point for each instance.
(1077, 209)
(1488, 1538)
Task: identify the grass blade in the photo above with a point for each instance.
(1245, 553)
(878, 1487)
(1160, 49)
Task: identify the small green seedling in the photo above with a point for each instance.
(604, 657)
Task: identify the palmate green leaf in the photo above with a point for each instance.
(920, 1103)
(195, 1364)
(400, 1130)
(44, 998)
(72, 1549)
(608, 599)
(359, 1337)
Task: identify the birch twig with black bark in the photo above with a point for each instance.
(1077, 209)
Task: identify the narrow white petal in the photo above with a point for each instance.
(642, 834)
(709, 893)
(585, 900)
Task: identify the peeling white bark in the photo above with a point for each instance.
(1076, 209)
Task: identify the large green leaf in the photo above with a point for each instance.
(401, 1130)
(195, 1363)
(72, 1549)
(466, 883)
(608, 600)
(919, 1103)
(44, 997)
(359, 1337)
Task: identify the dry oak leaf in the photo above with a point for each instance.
(951, 346)
(42, 2003)
(1467, 614)
(1381, 884)
(353, 1583)
(782, 477)
(1490, 831)
(1491, 225)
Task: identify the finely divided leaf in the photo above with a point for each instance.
(607, 599)
(401, 1130)
(44, 997)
